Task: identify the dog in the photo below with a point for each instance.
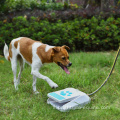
(35, 53)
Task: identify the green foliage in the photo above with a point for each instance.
(3, 6)
(7, 6)
(80, 34)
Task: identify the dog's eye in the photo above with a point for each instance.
(63, 58)
(68, 57)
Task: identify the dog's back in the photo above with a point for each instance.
(21, 46)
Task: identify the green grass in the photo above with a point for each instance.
(88, 72)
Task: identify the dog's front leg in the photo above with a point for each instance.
(34, 84)
(38, 75)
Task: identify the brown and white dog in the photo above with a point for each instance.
(35, 54)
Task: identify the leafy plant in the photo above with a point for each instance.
(79, 34)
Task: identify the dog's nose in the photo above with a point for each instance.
(69, 64)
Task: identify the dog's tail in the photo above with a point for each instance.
(6, 52)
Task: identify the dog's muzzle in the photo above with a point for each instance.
(65, 67)
(69, 64)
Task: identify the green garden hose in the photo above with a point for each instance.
(108, 74)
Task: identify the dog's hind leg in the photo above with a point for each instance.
(22, 63)
(14, 69)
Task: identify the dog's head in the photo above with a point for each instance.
(60, 57)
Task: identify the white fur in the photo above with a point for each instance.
(35, 66)
(14, 40)
(48, 47)
(6, 52)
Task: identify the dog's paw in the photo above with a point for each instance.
(35, 92)
(54, 85)
(16, 88)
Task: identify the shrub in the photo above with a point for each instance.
(80, 34)
(9, 6)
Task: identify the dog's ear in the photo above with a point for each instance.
(66, 47)
(55, 50)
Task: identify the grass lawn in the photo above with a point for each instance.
(87, 73)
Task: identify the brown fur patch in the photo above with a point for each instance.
(26, 48)
(9, 58)
(16, 44)
(44, 56)
(10, 52)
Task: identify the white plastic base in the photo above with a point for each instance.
(67, 99)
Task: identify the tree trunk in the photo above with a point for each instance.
(67, 1)
(85, 3)
(48, 1)
(105, 4)
(116, 2)
(92, 3)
